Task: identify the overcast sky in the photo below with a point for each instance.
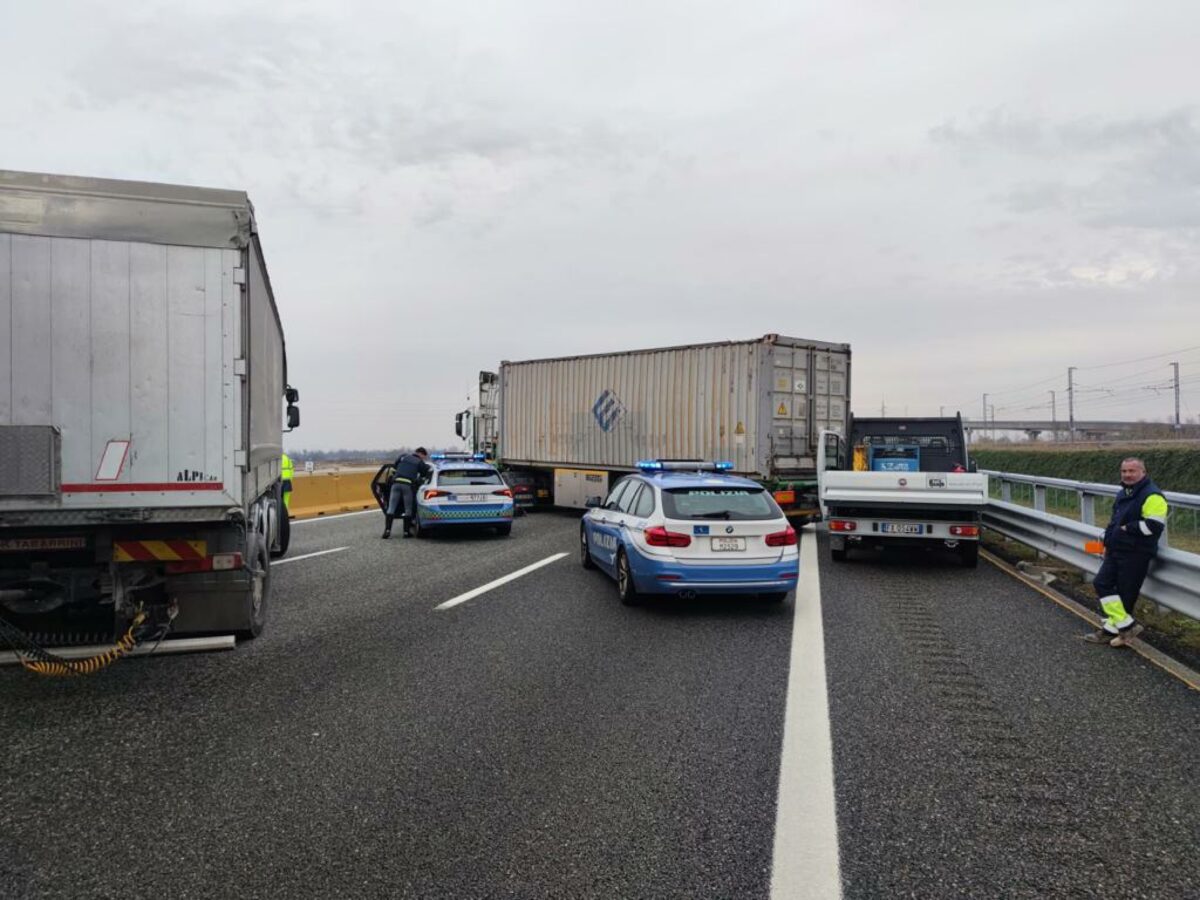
(973, 195)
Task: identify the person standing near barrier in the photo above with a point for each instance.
(409, 470)
(1130, 542)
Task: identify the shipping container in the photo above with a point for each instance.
(760, 404)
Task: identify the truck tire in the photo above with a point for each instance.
(969, 553)
(285, 532)
(258, 596)
(838, 555)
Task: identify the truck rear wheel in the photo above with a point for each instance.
(259, 593)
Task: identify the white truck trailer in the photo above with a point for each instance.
(568, 426)
(142, 382)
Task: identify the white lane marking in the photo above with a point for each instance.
(805, 859)
(292, 559)
(365, 512)
(470, 595)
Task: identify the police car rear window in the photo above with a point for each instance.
(718, 503)
(468, 476)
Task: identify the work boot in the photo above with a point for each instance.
(408, 528)
(387, 528)
(1099, 636)
(1123, 639)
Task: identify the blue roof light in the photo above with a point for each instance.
(650, 465)
(723, 466)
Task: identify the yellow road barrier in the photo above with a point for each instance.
(328, 493)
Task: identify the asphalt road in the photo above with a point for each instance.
(541, 740)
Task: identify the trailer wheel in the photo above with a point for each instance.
(285, 532)
(260, 591)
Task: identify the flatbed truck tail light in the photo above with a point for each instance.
(842, 525)
(786, 538)
(964, 530)
(660, 537)
(221, 562)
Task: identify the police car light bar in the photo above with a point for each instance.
(473, 457)
(683, 465)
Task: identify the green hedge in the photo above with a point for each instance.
(1173, 469)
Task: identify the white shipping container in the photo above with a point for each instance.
(760, 404)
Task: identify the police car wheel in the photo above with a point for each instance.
(625, 588)
(585, 555)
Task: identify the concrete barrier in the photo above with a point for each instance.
(329, 493)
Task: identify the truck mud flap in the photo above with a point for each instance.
(210, 604)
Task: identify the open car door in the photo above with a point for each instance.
(379, 485)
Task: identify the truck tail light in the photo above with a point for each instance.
(786, 538)
(842, 525)
(785, 498)
(660, 537)
(964, 530)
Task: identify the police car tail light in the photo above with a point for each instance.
(660, 537)
(786, 538)
(503, 492)
(432, 494)
(964, 530)
(842, 525)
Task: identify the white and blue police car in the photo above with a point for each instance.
(465, 491)
(689, 528)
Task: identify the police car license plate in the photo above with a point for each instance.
(726, 544)
(471, 498)
(901, 528)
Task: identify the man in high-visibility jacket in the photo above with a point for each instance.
(1139, 518)
(287, 474)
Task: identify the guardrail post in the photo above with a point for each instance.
(1039, 497)
(1087, 508)
(1006, 491)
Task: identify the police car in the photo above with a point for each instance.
(464, 491)
(687, 528)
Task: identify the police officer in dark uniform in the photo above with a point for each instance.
(409, 470)
(1130, 543)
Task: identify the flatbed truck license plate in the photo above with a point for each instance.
(901, 528)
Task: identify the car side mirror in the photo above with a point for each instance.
(594, 502)
(291, 395)
(293, 416)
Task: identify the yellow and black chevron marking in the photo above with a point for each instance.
(158, 551)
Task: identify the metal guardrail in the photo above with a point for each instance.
(1174, 578)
